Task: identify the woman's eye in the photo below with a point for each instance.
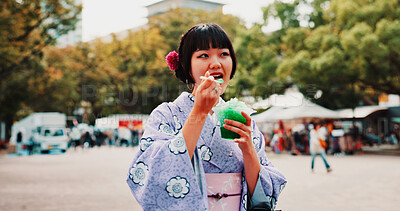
(225, 54)
(203, 56)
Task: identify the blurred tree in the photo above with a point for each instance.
(133, 73)
(175, 22)
(57, 89)
(26, 28)
(349, 49)
(30, 25)
(137, 61)
(256, 65)
(127, 75)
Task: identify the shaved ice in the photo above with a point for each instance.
(231, 110)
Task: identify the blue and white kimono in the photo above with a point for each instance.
(163, 177)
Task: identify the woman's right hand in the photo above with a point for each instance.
(206, 95)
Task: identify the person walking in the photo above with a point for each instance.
(317, 137)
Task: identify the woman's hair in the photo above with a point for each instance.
(199, 37)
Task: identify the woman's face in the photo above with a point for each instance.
(217, 61)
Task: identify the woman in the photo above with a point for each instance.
(181, 151)
(316, 149)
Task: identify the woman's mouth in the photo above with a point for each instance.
(218, 76)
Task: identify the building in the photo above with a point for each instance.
(166, 5)
(163, 6)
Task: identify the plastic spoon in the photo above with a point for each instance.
(220, 81)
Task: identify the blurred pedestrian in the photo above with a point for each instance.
(19, 144)
(30, 145)
(87, 140)
(393, 139)
(315, 146)
(294, 139)
(75, 137)
(372, 138)
(99, 136)
(115, 137)
(183, 163)
(337, 134)
(324, 134)
(282, 135)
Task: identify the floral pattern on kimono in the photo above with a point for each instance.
(163, 177)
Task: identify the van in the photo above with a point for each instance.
(47, 130)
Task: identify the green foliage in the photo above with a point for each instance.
(175, 22)
(128, 75)
(350, 50)
(286, 12)
(256, 64)
(26, 28)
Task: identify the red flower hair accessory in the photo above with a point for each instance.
(172, 60)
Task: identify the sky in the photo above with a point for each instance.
(102, 17)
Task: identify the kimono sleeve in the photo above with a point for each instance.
(270, 180)
(161, 176)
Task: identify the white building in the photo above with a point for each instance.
(166, 5)
(163, 6)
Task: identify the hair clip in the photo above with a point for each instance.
(172, 60)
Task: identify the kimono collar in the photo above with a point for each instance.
(210, 133)
(185, 103)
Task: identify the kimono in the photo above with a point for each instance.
(163, 177)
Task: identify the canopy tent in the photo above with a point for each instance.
(292, 105)
(306, 110)
(269, 115)
(360, 112)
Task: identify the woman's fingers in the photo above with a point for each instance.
(247, 117)
(238, 124)
(239, 141)
(209, 85)
(210, 88)
(205, 83)
(207, 94)
(240, 131)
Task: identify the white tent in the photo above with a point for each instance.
(360, 112)
(269, 115)
(306, 109)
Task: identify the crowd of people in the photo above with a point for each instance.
(87, 137)
(339, 140)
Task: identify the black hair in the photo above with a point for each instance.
(199, 37)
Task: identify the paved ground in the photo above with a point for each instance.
(95, 180)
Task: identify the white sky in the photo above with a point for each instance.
(102, 17)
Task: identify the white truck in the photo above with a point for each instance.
(46, 129)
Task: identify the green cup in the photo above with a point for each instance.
(231, 110)
(232, 115)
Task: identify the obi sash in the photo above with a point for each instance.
(224, 191)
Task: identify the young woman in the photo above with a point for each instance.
(183, 163)
(316, 148)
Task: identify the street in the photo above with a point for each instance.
(94, 179)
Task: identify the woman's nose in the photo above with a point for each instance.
(215, 63)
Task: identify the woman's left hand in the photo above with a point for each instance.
(244, 130)
(250, 157)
